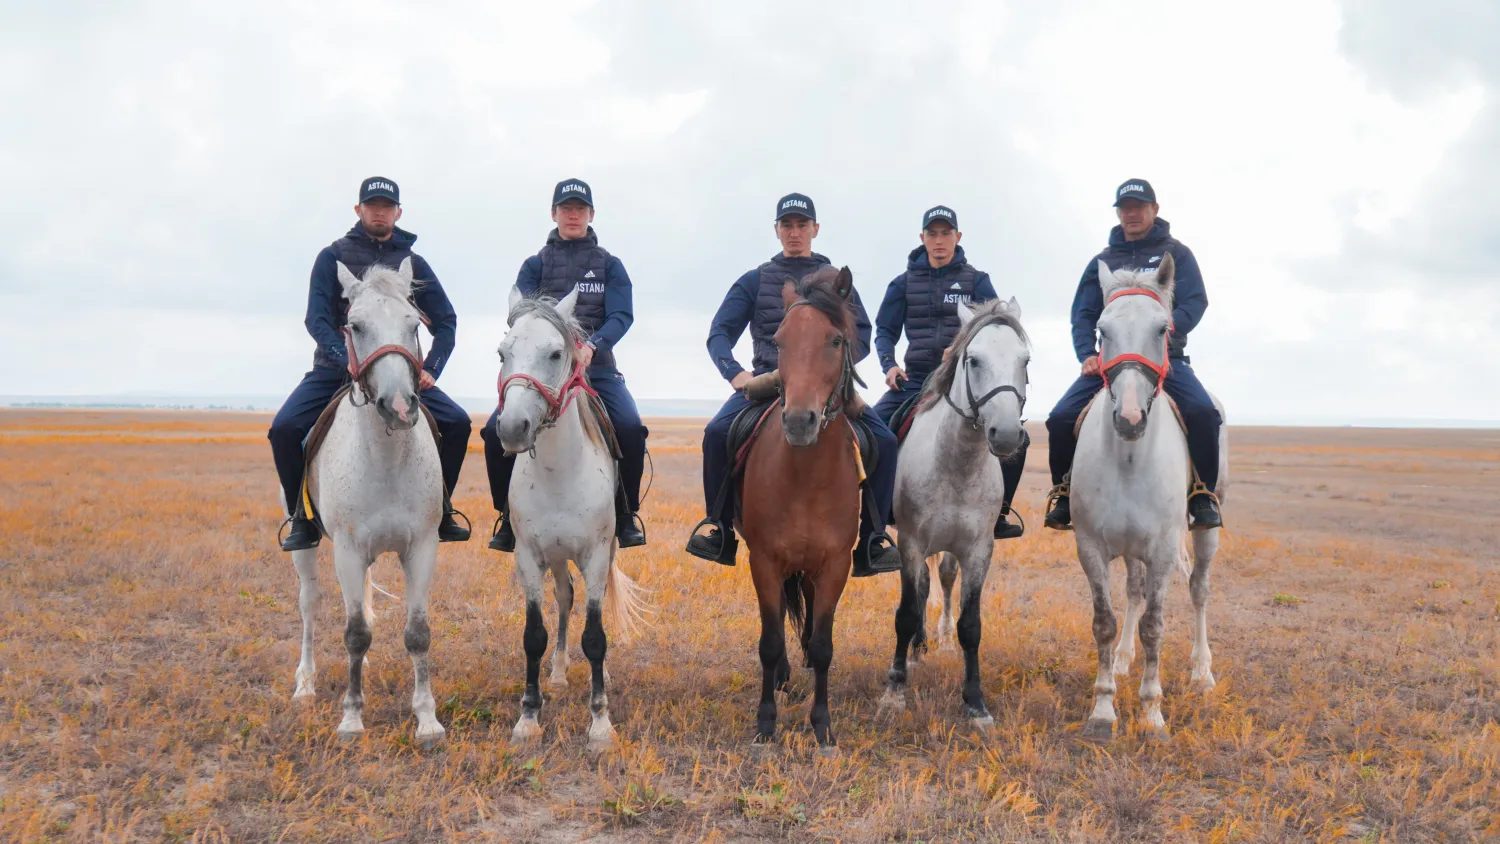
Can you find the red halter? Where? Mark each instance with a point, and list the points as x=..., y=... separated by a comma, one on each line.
x=358, y=369
x=557, y=400
x=1160, y=369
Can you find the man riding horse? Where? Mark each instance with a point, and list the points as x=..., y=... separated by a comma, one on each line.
x=755, y=302
x=375, y=239
x=572, y=258
x=924, y=302
x=1139, y=242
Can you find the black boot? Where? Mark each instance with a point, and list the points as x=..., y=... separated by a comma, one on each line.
x=1059, y=518
x=875, y=554
x=1004, y=529
x=504, y=538
x=629, y=530
x=449, y=530
x=719, y=545
x=304, y=534
x=1205, y=512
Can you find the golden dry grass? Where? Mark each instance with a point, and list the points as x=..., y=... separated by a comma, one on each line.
x=150, y=634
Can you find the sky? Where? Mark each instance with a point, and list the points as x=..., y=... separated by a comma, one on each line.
x=169, y=171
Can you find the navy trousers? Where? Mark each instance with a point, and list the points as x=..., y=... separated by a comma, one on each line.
x=301, y=410
x=716, y=467
x=1010, y=468
x=618, y=403
x=1182, y=385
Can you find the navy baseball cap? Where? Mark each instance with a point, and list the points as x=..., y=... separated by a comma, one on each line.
x=572, y=189
x=796, y=205
x=940, y=214
x=1134, y=189
x=379, y=187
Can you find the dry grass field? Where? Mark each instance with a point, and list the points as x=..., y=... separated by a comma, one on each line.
x=149, y=630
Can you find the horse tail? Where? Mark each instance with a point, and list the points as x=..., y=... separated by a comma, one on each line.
x=626, y=602
x=369, y=602
x=1185, y=554
x=791, y=589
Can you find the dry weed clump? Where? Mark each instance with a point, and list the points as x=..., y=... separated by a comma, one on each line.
x=150, y=635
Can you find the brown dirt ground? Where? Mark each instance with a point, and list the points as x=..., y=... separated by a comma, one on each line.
x=148, y=635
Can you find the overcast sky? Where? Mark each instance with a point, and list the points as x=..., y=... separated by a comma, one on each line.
x=168, y=171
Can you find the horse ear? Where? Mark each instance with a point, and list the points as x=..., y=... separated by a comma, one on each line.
x=347, y=280
x=405, y=269
x=515, y=297
x=565, y=307
x=1014, y=307
x=1105, y=273
x=965, y=316
x=1165, y=272
x=788, y=295
x=844, y=284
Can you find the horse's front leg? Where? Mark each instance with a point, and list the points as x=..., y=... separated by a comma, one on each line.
x=420, y=561
x=768, y=591
x=909, y=618
x=1092, y=556
x=353, y=571
x=1135, y=604
x=562, y=588
x=1205, y=545
x=534, y=641
x=1152, y=623
x=976, y=568
x=308, y=599
x=826, y=592
x=595, y=644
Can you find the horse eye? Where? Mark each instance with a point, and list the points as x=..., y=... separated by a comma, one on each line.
x=1162, y=332
x=838, y=341
x=356, y=328
x=556, y=355
x=973, y=363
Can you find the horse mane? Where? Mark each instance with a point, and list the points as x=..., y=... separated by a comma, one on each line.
x=545, y=308
x=993, y=312
x=388, y=282
x=1128, y=278
x=817, y=288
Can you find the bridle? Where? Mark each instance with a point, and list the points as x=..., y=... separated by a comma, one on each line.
x=972, y=417
x=843, y=389
x=1158, y=369
x=359, y=370
x=558, y=400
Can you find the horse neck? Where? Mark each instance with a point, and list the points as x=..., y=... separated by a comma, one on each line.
x=1143, y=457
x=953, y=428
x=567, y=439
x=384, y=447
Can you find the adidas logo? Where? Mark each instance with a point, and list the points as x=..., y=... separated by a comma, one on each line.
x=956, y=286
x=590, y=273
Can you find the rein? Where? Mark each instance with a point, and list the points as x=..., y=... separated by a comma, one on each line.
x=359, y=370
x=1158, y=369
x=843, y=390
x=558, y=400
x=972, y=417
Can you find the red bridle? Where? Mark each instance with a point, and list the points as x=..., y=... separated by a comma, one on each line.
x=557, y=400
x=1159, y=369
x=359, y=368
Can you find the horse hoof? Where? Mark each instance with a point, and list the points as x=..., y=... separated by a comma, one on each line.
x=829, y=751
x=350, y=735
x=983, y=723
x=599, y=745
x=946, y=646
x=892, y=702
x=526, y=731
x=558, y=681
x=429, y=738
x=1099, y=731
x=762, y=748
x=304, y=696
x=1158, y=735
x=1204, y=684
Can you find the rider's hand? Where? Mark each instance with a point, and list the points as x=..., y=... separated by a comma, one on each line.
x=585, y=355
x=739, y=381
x=1091, y=366
x=891, y=375
x=426, y=381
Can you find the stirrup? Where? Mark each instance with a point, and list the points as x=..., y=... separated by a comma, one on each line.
x=1199, y=489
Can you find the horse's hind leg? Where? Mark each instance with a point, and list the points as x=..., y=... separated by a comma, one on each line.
x=768, y=591
x=1135, y=604
x=419, y=562
x=909, y=617
x=1101, y=723
x=595, y=645
x=976, y=569
x=825, y=600
x=1152, y=622
x=353, y=570
x=1205, y=545
x=307, y=603
x=947, y=575
x=534, y=641
x=562, y=588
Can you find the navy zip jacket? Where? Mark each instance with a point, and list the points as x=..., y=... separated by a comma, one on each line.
x=328, y=310
x=739, y=308
x=1189, y=299
x=891, y=319
x=619, y=303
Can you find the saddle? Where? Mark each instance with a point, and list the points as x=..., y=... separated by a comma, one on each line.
x=901, y=420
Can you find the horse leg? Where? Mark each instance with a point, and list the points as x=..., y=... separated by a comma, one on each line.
x=562, y=588
x=918, y=648
x=1135, y=604
x=595, y=645
x=909, y=617
x=1152, y=623
x=976, y=569
x=1205, y=545
x=307, y=603
x=825, y=601
x=534, y=641
x=353, y=571
x=807, y=620
x=420, y=561
x=772, y=648
x=1101, y=724
x=947, y=575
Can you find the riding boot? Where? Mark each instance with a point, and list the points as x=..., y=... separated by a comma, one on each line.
x=719, y=545
x=1004, y=529
x=504, y=538
x=304, y=534
x=1059, y=518
x=629, y=530
x=449, y=530
x=1205, y=512
x=875, y=554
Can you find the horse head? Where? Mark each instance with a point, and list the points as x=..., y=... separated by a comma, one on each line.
x=385, y=353
x=537, y=358
x=988, y=373
x=1134, y=328
x=814, y=357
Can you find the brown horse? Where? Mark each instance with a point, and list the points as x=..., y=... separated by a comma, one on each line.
x=800, y=495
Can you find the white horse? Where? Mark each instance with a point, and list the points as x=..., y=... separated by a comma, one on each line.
x=378, y=487
x=562, y=501
x=949, y=488
x=1130, y=481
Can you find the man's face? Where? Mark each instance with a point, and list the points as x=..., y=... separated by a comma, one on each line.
x=941, y=240
x=1136, y=217
x=796, y=234
x=572, y=218
x=378, y=217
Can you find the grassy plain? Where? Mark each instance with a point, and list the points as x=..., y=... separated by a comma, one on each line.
x=149, y=632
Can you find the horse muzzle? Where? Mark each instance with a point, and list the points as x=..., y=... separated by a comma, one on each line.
x=517, y=432
x=1131, y=426
x=801, y=427
x=400, y=412
x=1004, y=442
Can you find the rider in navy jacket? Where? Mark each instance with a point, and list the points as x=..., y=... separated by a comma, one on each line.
x=923, y=302
x=1140, y=242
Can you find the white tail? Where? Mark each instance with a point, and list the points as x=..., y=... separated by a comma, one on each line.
x=369, y=602
x=626, y=602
